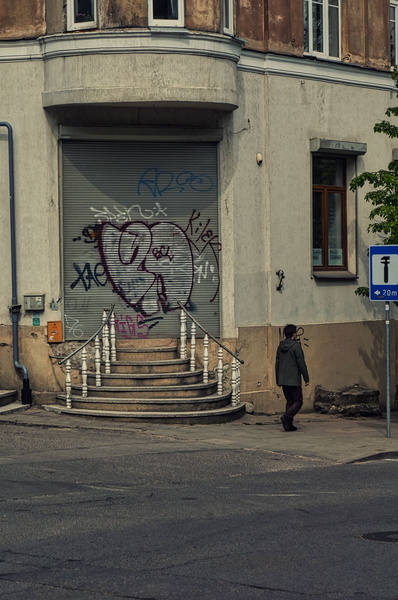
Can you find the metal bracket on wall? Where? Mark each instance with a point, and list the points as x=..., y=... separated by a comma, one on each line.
x=281, y=276
x=15, y=309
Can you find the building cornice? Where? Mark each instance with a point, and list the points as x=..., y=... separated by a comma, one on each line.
x=184, y=42
x=319, y=70
x=156, y=41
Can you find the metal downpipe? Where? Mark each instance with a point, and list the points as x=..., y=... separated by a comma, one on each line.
x=15, y=308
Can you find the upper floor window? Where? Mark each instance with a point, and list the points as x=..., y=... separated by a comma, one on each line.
x=393, y=31
x=169, y=13
x=322, y=27
x=81, y=14
x=228, y=16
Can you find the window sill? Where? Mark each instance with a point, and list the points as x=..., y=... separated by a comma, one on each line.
x=334, y=275
x=168, y=28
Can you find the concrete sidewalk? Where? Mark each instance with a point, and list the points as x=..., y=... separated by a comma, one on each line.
x=327, y=437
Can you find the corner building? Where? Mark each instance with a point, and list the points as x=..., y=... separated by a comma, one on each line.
x=187, y=151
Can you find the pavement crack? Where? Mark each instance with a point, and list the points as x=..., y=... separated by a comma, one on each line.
x=264, y=588
x=49, y=586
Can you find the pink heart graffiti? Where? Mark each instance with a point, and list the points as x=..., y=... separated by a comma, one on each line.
x=150, y=266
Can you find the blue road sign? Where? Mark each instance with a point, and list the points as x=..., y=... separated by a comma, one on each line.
x=383, y=273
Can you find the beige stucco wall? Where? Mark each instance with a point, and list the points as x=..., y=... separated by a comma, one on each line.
x=36, y=190
x=338, y=355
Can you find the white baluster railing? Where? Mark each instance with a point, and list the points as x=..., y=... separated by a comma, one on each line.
x=219, y=372
x=206, y=359
x=106, y=345
x=84, y=372
x=104, y=320
x=68, y=384
x=235, y=364
x=108, y=354
x=234, y=382
x=112, y=335
x=97, y=361
x=193, y=346
x=183, y=335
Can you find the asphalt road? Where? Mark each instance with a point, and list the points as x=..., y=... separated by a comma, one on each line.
x=97, y=515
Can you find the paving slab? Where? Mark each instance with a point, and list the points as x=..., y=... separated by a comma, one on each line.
x=327, y=437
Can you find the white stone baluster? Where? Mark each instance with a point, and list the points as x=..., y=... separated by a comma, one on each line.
x=105, y=341
x=234, y=374
x=219, y=372
x=97, y=361
x=193, y=346
x=84, y=373
x=68, y=384
x=183, y=335
x=206, y=359
x=238, y=382
x=104, y=317
x=113, y=338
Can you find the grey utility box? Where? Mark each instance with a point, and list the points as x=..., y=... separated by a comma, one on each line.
x=34, y=302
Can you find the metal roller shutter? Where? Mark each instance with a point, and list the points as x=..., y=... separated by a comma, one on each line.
x=140, y=230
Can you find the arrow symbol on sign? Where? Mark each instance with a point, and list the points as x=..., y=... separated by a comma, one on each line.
x=377, y=293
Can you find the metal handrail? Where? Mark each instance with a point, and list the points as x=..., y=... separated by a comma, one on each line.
x=106, y=322
x=242, y=362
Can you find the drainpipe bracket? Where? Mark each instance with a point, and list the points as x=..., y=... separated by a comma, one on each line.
x=15, y=308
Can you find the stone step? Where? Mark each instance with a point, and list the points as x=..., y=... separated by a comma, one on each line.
x=155, y=366
x=8, y=397
x=147, y=354
x=194, y=390
x=205, y=417
x=147, y=379
x=149, y=404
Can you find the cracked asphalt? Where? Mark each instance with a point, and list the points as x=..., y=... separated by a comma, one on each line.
x=106, y=512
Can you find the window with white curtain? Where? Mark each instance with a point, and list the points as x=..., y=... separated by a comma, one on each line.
x=322, y=27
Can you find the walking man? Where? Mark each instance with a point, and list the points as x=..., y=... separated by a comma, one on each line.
x=290, y=366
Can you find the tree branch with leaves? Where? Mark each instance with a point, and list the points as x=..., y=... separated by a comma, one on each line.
x=384, y=195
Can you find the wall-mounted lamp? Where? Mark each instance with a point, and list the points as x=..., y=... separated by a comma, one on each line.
x=281, y=276
x=259, y=158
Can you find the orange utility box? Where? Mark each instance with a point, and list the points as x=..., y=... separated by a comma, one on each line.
x=54, y=331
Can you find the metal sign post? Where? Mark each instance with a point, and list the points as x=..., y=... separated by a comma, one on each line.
x=388, y=373
x=383, y=285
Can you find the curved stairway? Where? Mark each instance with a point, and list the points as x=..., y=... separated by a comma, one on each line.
x=152, y=385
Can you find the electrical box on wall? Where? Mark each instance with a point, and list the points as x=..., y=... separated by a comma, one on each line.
x=34, y=302
x=54, y=331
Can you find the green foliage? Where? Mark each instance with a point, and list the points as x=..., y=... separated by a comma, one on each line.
x=384, y=195
x=362, y=291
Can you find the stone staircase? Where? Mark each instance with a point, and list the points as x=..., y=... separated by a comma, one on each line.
x=152, y=384
x=10, y=403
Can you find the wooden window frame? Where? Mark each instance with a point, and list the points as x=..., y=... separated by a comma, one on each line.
x=325, y=190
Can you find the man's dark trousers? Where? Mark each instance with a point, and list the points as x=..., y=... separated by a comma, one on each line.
x=294, y=400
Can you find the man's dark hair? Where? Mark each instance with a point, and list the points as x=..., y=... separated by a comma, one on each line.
x=289, y=330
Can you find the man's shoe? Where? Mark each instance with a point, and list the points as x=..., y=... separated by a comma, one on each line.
x=287, y=423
